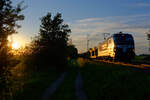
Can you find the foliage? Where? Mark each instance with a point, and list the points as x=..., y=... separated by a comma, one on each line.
x=72, y=51
x=148, y=35
x=9, y=15
x=49, y=48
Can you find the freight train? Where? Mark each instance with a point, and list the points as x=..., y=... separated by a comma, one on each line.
x=120, y=46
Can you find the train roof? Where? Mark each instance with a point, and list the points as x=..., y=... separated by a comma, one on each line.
x=121, y=33
x=118, y=34
x=115, y=34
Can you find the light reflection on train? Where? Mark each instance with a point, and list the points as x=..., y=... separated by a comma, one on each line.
x=119, y=46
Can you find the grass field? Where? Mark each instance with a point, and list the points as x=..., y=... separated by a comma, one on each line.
x=142, y=59
x=114, y=82
x=101, y=81
x=36, y=84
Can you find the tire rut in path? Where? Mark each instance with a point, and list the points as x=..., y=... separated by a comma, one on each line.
x=79, y=88
x=50, y=90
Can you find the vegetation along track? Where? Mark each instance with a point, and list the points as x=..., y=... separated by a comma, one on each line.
x=136, y=65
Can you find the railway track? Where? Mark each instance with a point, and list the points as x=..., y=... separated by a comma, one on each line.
x=132, y=64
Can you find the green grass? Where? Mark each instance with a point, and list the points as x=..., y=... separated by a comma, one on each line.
x=36, y=84
x=141, y=59
x=114, y=82
x=66, y=91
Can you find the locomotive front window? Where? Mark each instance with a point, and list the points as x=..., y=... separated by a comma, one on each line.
x=123, y=39
x=92, y=53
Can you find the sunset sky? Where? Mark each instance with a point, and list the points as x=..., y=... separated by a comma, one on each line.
x=92, y=17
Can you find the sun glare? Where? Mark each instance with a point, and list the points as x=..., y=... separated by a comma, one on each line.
x=15, y=45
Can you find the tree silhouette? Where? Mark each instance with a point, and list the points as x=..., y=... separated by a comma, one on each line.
x=148, y=38
x=50, y=46
x=9, y=15
x=72, y=52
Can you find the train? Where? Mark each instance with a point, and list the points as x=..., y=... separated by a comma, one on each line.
x=119, y=46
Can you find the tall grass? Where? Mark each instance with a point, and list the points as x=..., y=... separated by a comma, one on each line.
x=115, y=82
x=34, y=83
x=8, y=83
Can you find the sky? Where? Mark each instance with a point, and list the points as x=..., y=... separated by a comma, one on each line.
x=90, y=19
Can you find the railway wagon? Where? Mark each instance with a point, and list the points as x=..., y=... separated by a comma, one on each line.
x=93, y=52
x=119, y=46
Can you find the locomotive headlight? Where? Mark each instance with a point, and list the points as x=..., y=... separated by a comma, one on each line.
x=133, y=49
x=114, y=49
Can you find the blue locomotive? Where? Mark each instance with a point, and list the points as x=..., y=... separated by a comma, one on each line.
x=119, y=46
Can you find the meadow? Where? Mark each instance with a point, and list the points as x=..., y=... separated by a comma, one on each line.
x=103, y=81
x=32, y=84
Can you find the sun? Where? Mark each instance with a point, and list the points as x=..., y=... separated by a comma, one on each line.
x=15, y=45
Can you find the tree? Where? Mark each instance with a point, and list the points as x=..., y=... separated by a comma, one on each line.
x=50, y=46
x=148, y=37
x=72, y=52
x=9, y=15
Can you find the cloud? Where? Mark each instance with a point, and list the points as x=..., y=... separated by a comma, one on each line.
x=138, y=4
x=94, y=28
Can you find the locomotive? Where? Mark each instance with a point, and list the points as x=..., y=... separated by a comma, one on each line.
x=120, y=46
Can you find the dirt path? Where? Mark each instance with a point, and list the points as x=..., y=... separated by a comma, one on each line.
x=79, y=88
x=50, y=90
x=80, y=94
